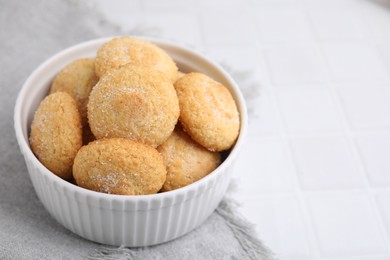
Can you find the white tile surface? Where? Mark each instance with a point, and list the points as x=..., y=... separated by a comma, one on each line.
x=308, y=111
x=278, y=25
x=384, y=52
x=219, y=3
x=345, y=224
x=166, y=5
x=265, y=119
x=354, y=62
x=293, y=64
x=376, y=14
x=280, y=3
x=325, y=163
x=173, y=22
x=242, y=59
x=367, y=107
x=272, y=173
x=331, y=4
x=314, y=171
x=382, y=199
x=276, y=228
x=224, y=27
x=343, y=25
x=118, y=7
x=375, y=153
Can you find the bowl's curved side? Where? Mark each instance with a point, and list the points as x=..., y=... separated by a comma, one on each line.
x=114, y=219
x=118, y=222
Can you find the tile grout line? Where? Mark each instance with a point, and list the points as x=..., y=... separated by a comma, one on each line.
x=284, y=137
x=377, y=211
x=351, y=138
x=326, y=77
x=285, y=142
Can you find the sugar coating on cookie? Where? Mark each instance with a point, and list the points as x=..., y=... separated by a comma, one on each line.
x=208, y=111
x=134, y=103
x=77, y=79
x=56, y=133
x=119, y=166
x=179, y=74
x=126, y=50
x=186, y=160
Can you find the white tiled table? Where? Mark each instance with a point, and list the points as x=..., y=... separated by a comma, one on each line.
x=314, y=174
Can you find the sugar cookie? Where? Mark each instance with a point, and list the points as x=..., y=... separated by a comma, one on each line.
x=186, y=160
x=77, y=79
x=134, y=103
x=119, y=166
x=208, y=112
x=139, y=53
x=56, y=133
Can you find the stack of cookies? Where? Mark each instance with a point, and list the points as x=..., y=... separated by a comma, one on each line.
x=128, y=122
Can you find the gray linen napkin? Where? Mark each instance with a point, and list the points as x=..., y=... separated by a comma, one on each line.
x=31, y=31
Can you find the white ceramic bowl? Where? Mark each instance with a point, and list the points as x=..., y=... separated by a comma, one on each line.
x=119, y=219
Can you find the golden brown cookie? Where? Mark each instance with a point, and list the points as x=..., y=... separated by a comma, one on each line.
x=139, y=53
x=179, y=74
x=119, y=166
x=186, y=160
x=77, y=79
x=208, y=112
x=56, y=134
x=133, y=103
